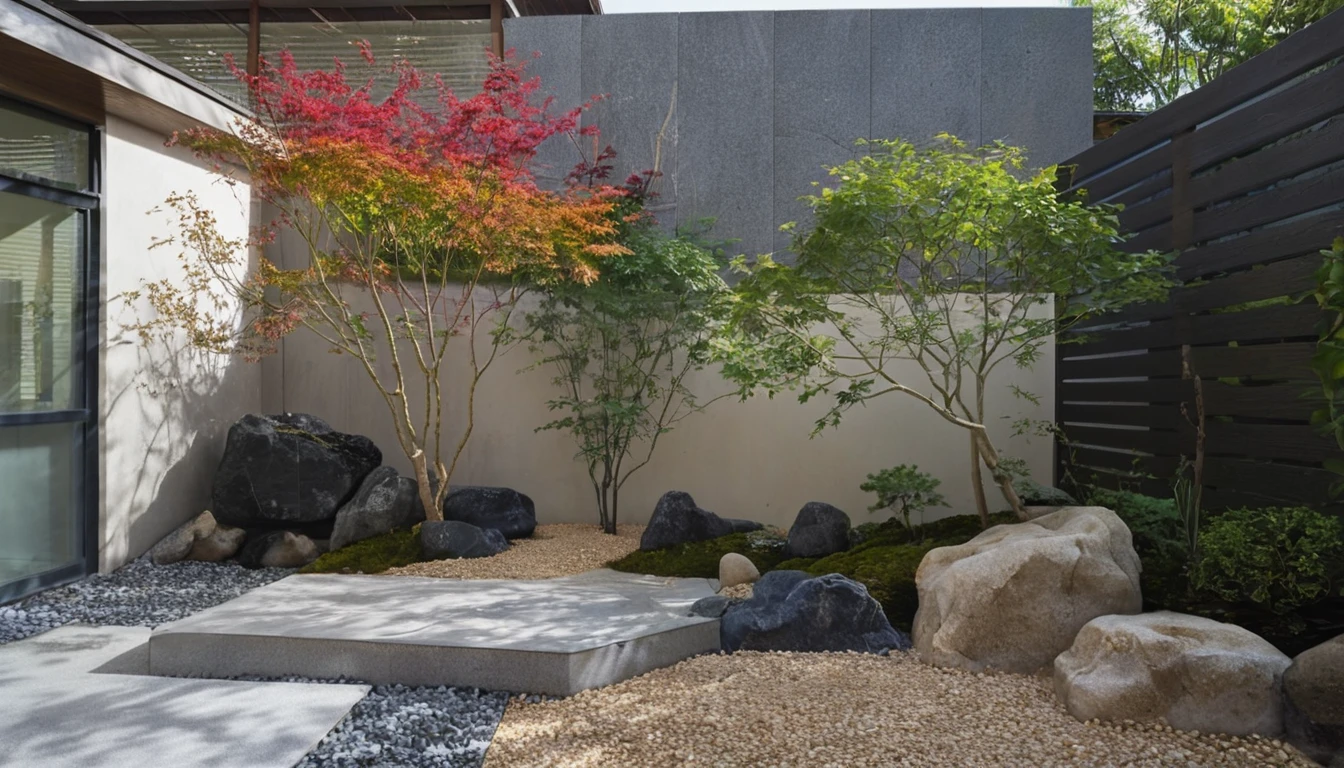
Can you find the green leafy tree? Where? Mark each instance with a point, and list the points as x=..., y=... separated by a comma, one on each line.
x=1148, y=52
x=622, y=350
x=903, y=489
x=952, y=258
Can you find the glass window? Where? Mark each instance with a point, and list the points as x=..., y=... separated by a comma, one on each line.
x=38, y=509
x=41, y=280
x=37, y=147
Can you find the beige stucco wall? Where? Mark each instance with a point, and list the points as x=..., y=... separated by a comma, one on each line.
x=749, y=459
x=163, y=409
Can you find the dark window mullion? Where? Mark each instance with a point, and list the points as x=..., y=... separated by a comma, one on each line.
x=25, y=418
x=51, y=194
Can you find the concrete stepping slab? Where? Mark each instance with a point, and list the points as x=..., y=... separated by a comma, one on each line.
x=553, y=636
x=75, y=697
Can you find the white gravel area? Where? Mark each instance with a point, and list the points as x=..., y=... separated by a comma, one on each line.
x=552, y=551
x=844, y=711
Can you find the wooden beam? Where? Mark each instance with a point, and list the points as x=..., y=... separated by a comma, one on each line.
x=497, y=27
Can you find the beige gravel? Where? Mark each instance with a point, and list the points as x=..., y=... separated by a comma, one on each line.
x=553, y=550
x=851, y=710
x=740, y=591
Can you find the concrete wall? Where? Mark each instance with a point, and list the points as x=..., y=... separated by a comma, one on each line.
x=163, y=409
x=751, y=106
x=749, y=459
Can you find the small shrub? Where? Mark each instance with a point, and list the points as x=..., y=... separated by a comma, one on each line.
x=1033, y=494
x=374, y=555
x=1280, y=559
x=700, y=559
x=903, y=489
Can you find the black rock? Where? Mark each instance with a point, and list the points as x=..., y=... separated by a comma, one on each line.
x=1033, y=494
x=819, y=530
x=384, y=502
x=826, y=613
x=743, y=526
x=444, y=539
x=502, y=509
x=677, y=520
x=281, y=470
x=711, y=607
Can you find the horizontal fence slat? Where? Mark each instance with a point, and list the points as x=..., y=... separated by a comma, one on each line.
x=1292, y=109
x=1156, y=417
x=1272, y=361
x=1285, y=483
x=1146, y=440
x=1290, y=277
x=1283, y=161
x=1140, y=171
x=1276, y=401
x=1315, y=45
x=1273, y=205
x=1146, y=214
x=1139, y=192
x=1308, y=235
x=1278, y=322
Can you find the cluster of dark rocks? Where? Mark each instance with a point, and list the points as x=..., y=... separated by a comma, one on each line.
x=788, y=610
x=289, y=487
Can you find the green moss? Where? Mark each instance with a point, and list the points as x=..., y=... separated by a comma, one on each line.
x=701, y=558
x=375, y=555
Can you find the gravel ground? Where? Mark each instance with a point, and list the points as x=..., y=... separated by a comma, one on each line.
x=400, y=727
x=783, y=709
x=553, y=550
x=139, y=594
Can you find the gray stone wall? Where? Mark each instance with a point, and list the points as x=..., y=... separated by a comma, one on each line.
x=751, y=107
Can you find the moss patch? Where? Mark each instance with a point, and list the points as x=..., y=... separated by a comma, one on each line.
x=884, y=561
x=375, y=555
x=700, y=559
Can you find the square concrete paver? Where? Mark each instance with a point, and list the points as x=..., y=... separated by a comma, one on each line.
x=78, y=696
x=554, y=636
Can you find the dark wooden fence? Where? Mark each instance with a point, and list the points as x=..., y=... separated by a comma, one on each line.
x=1245, y=179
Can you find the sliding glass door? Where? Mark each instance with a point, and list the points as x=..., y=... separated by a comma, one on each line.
x=48, y=345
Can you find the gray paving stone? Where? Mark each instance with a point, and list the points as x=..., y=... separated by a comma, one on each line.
x=73, y=697
x=554, y=636
x=927, y=74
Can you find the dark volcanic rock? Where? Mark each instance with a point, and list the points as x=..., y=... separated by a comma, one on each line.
x=282, y=470
x=444, y=539
x=790, y=611
x=384, y=502
x=677, y=520
x=819, y=530
x=743, y=526
x=503, y=509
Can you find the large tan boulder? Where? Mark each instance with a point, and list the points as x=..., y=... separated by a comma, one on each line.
x=1197, y=673
x=1314, y=688
x=1015, y=596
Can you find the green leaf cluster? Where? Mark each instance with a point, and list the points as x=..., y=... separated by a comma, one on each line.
x=903, y=489
x=1279, y=558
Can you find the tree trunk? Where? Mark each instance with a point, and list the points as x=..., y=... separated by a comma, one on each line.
x=421, y=466
x=1005, y=482
x=615, y=503
x=978, y=484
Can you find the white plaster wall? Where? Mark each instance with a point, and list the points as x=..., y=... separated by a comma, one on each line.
x=750, y=459
x=164, y=409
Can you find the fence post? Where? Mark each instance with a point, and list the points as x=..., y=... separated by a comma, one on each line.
x=1182, y=213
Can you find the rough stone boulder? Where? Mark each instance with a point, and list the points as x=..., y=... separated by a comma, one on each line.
x=1314, y=712
x=677, y=520
x=1014, y=597
x=278, y=471
x=178, y=544
x=792, y=611
x=818, y=530
x=222, y=544
x=384, y=502
x=1197, y=673
x=278, y=549
x=736, y=569
x=743, y=526
x=503, y=509
x=444, y=539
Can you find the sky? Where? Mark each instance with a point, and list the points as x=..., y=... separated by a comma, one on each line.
x=655, y=6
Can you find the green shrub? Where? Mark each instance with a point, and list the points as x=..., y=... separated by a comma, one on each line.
x=1033, y=494
x=700, y=559
x=1281, y=559
x=1158, y=532
x=375, y=555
